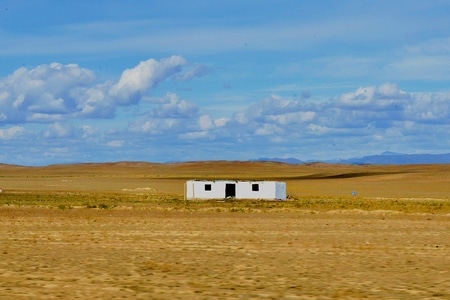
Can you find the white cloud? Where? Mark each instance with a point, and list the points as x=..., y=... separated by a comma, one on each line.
x=171, y=106
x=276, y=112
x=291, y=118
x=171, y=115
x=318, y=129
x=176, y=108
x=426, y=107
x=383, y=98
x=136, y=81
x=370, y=118
x=57, y=130
x=18, y=101
x=221, y=122
x=57, y=92
x=205, y=122
x=195, y=72
x=93, y=102
x=268, y=129
x=241, y=118
x=10, y=133
x=384, y=111
x=157, y=126
x=44, y=118
x=87, y=131
x=44, y=90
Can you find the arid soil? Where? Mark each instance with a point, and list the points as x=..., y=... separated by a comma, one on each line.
x=122, y=253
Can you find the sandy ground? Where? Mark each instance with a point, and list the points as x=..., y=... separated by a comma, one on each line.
x=139, y=254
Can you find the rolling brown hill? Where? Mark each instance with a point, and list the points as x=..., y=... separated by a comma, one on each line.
x=314, y=179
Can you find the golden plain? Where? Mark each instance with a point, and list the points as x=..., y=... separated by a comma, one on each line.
x=124, y=231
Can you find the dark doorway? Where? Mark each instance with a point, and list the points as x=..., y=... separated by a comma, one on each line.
x=230, y=190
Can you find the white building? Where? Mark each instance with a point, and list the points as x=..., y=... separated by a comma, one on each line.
x=221, y=189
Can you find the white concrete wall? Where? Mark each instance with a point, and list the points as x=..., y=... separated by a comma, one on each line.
x=196, y=190
x=267, y=189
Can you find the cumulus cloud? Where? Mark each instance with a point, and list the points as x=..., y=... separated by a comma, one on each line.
x=377, y=113
x=274, y=115
x=175, y=108
x=10, y=133
x=136, y=81
x=387, y=104
x=87, y=131
x=429, y=108
x=42, y=93
x=372, y=117
x=221, y=122
x=268, y=129
x=57, y=130
x=175, y=117
x=375, y=98
x=56, y=92
x=205, y=122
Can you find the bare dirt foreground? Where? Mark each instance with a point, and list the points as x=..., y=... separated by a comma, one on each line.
x=82, y=253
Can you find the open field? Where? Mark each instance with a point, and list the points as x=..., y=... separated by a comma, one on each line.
x=416, y=188
x=123, y=230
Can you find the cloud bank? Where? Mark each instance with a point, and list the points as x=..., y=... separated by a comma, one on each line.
x=63, y=114
x=57, y=92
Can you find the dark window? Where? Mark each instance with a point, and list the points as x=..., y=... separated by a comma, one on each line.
x=207, y=187
x=255, y=187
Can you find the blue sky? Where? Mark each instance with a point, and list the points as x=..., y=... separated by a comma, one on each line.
x=95, y=81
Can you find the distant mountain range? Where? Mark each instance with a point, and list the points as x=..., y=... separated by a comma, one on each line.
x=386, y=158
x=291, y=160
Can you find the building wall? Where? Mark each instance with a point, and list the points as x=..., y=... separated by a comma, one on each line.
x=244, y=189
x=196, y=190
x=280, y=190
x=266, y=190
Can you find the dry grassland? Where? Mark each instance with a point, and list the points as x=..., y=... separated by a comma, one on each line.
x=123, y=231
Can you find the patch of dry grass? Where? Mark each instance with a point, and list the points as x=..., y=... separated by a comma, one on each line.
x=415, y=188
x=70, y=200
